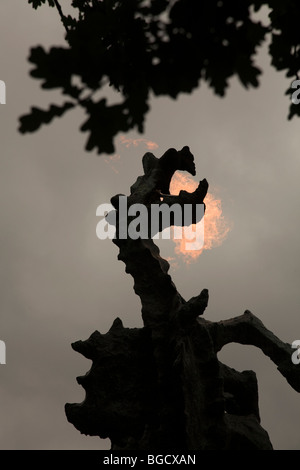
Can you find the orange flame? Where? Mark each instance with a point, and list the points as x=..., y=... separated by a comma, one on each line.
x=113, y=158
x=216, y=227
x=128, y=142
x=135, y=142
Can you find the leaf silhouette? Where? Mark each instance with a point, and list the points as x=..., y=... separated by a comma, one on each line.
x=31, y=122
x=38, y=3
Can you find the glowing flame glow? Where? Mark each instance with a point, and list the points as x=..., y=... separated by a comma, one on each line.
x=216, y=227
x=135, y=142
x=113, y=158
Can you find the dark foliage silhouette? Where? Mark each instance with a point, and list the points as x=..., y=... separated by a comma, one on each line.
x=141, y=48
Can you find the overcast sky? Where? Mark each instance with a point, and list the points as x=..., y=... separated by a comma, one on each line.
x=59, y=282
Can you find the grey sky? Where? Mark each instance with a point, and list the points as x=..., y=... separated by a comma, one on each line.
x=59, y=282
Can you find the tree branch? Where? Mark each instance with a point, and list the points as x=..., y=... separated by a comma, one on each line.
x=62, y=16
